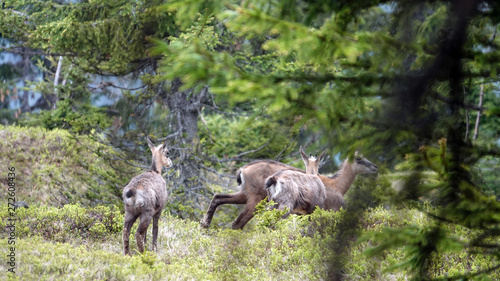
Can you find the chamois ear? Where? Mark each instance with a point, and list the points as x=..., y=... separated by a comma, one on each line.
x=150, y=144
x=165, y=143
x=164, y=149
x=358, y=155
x=304, y=156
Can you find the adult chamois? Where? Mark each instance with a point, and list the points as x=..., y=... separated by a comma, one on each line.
x=251, y=179
x=342, y=180
x=144, y=198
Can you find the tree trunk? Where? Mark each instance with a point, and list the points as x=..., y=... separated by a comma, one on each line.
x=26, y=77
x=56, y=81
x=185, y=107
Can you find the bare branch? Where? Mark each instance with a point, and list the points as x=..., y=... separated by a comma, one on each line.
x=463, y=104
x=252, y=151
x=56, y=80
x=288, y=145
x=476, y=129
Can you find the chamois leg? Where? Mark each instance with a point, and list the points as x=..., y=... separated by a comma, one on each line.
x=246, y=215
x=221, y=199
x=140, y=235
x=156, y=217
x=129, y=221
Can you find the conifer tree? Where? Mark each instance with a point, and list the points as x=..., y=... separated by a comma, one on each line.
x=397, y=79
x=78, y=43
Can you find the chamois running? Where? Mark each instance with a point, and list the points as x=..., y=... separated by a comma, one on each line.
x=144, y=198
x=251, y=179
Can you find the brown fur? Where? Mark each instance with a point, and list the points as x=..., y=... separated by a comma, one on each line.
x=144, y=198
x=251, y=179
x=312, y=162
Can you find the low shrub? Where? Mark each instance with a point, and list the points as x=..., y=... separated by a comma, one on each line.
x=78, y=243
x=64, y=224
x=54, y=167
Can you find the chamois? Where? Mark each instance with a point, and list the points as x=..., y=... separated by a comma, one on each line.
x=144, y=198
x=300, y=193
x=341, y=181
x=251, y=179
x=312, y=163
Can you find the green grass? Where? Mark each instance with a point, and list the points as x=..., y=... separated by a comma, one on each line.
x=82, y=240
x=70, y=245
x=55, y=167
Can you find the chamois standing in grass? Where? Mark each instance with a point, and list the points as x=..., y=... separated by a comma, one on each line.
x=251, y=179
x=144, y=198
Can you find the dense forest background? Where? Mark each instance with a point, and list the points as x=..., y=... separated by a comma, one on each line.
x=413, y=85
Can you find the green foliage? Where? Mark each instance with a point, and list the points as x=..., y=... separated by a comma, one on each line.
x=400, y=234
x=56, y=168
x=64, y=224
x=268, y=219
x=425, y=245
x=103, y=34
x=41, y=260
x=83, y=121
x=297, y=248
x=227, y=137
x=7, y=116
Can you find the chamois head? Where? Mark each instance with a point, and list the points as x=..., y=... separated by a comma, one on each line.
x=160, y=156
x=361, y=165
x=312, y=162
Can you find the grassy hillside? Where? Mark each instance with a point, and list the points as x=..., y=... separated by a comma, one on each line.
x=77, y=243
x=55, y=168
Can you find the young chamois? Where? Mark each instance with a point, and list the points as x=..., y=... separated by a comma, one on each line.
x=144, y=198
x=312, y=162
x=251, y=180
x=300, y=193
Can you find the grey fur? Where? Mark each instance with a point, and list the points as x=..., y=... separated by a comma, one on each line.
x=300, y=193
x=144, y=197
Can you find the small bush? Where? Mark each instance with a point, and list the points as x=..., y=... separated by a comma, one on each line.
x=64, y=224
